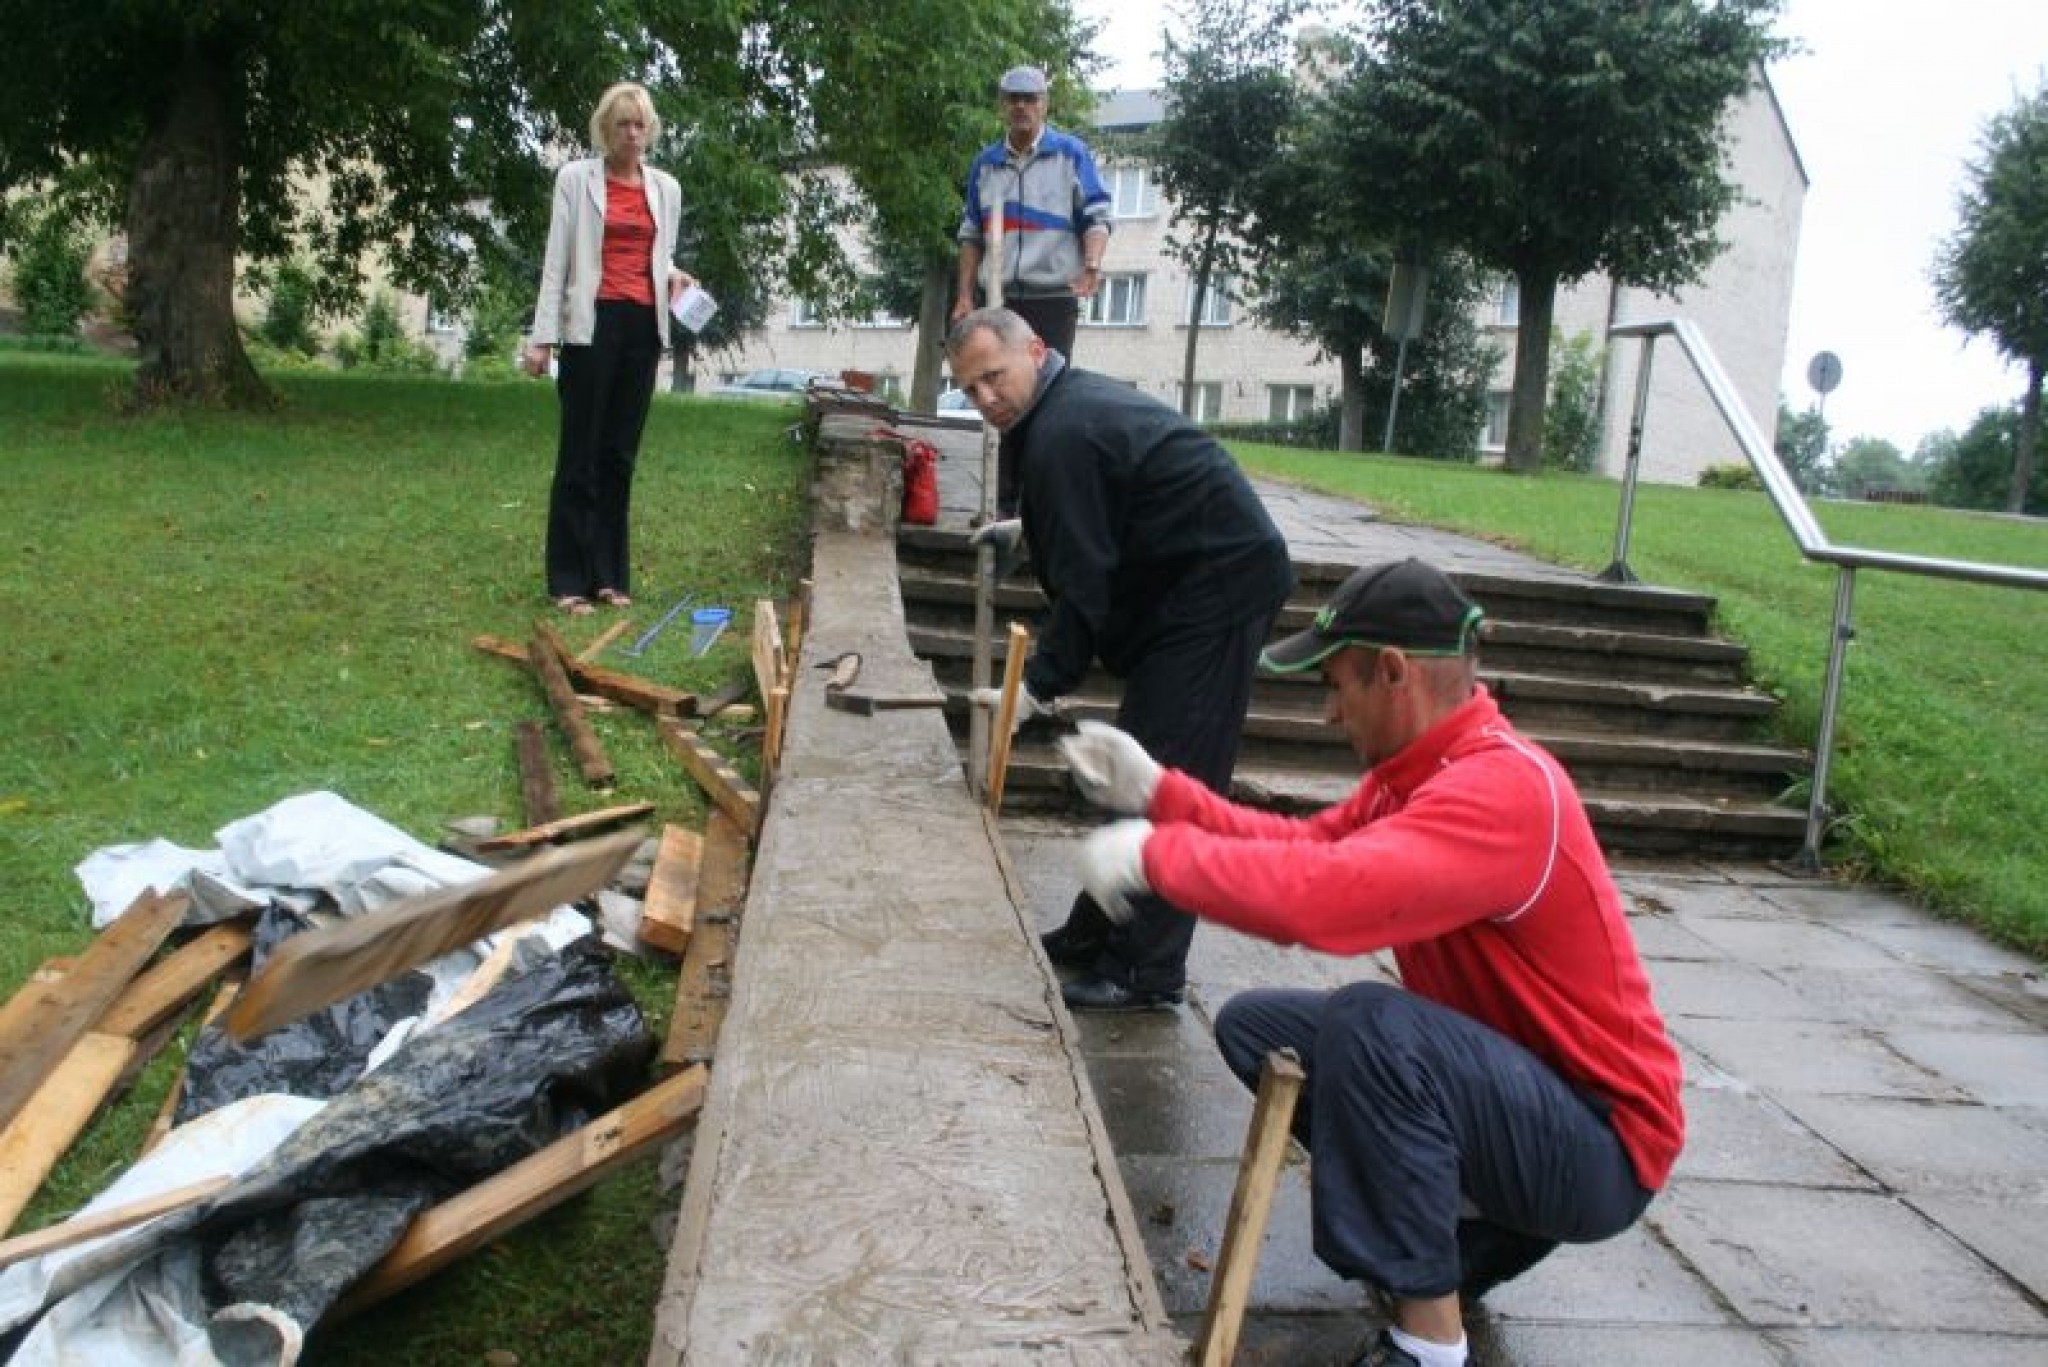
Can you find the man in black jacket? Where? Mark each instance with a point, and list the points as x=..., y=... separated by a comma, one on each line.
x=1160, y=561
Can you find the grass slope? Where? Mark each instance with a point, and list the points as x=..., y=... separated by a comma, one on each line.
x=1942, y=745
x=209, y=612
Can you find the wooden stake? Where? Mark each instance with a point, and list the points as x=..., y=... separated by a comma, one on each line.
x=604, y=638
x=1006, y=714
x=567, y=828
x=155, y=996
x=630, y=689
x=536, y=778
x=317, y=968
x=80, y=1228
x=719, y=780
x=670, y=910
x=799, y=608
x=55, y=1016
x=1265, y=1148
x=539, y=1183
x=771, y=680
x=546, y=656
x=707, y=963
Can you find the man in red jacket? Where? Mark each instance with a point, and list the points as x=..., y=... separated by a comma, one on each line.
x=1518, y=1090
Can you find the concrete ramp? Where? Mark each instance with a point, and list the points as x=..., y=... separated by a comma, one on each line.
x=899, y=1160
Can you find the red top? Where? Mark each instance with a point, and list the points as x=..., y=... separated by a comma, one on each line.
x=628, y=244
x=1471, y=857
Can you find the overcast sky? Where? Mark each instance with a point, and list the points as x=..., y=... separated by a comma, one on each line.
x=1886, y=103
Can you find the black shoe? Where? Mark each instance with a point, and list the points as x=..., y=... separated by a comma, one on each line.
x=1069, y=948
x=1386, y=1353
x=1100, y=994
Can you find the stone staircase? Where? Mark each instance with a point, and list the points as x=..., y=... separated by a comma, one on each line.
x=1624, y=683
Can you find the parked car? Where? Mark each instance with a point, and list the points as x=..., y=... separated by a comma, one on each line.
x=770, y=384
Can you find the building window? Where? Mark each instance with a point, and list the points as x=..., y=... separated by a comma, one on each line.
x=1208, y=404
x=1215, y=301
x=1119, y=301
x=1507, y=311
x=882, y=318
x=440, y=322
x=1131, y=193
x=1495, y=438
x=1289, y=402
x=803, y=313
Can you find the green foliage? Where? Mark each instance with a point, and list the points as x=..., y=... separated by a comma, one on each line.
x=1734, y=475
x=1943, y=760
x=381, y=344
x=1802, y=448
x=312, y=631
x=1975, y=469
x=1550, y=139
x=1869, y=465
x=288, y=314
x=1571, y=433
x=1316, y=430
x=49, y=276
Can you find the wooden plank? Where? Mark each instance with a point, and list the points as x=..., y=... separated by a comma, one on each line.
x=546, y=655
x=35, y=1139
x=566, y=828
x=1265, y=1148
x=719, y=780
x=670, y=909
x=18, y=1017
x=175, y=980
x=317, y=968
x=57, y=1015
x=1006, y=714
x=80, y=1228
x=629, y=689
x=481, y=980
x=799, y=608
x=769, y=677
x=573, y=1164
x=165, y=1113
x=702, y=985
x=604, y=638
x=536, y=777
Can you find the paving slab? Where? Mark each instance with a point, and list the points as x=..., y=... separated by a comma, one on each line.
x=1864, y=1348
x=2006, y=1232
x=1733, y=1134
x=1576, y=1345
x=1633, y=1278
x=1791, y=1256
x=1926, y=1148
x=1999, y=1069
x=1784, y=1057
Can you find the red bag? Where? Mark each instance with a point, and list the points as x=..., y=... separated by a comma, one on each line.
x=920, y=482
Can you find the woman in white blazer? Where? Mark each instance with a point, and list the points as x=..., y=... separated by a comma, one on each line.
x=605, y=284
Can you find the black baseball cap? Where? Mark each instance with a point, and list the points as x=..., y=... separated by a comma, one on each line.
x=1408, y=604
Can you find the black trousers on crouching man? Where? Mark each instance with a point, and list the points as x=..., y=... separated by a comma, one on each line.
x=1185, y=701
x=604, y=389
x=1446, y=1156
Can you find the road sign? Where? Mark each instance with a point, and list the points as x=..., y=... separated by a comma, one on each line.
x=1824, y=371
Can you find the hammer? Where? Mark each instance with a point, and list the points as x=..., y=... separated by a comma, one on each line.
x=840, y=695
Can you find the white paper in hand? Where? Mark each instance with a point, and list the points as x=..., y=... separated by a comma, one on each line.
x=693, y=308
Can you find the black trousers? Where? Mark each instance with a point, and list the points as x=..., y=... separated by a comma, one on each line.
x=604, y=389
x=1053, y=317
x=1446, y=1156
x=1185, y=702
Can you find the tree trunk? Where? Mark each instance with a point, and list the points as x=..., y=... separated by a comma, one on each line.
x=931, y=337
x=1351, y=399
x=184, y=212
x=1187, y=364
x=2029, y=444
x=1532, y=371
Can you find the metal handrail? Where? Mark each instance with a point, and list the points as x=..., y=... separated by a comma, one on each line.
x=1813, y=543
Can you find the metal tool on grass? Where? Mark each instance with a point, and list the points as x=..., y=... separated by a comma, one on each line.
x=707, y=624
x=639, y=647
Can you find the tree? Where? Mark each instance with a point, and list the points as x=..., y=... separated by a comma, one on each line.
x=1991, y=276
x=1802, y=448
x=1229, y=97
x=49, y=277
x=1571, y=436
x=1975, y=469
x=1551, y=139
x=1872, y=464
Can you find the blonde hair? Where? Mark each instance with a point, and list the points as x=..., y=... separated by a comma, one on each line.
x=612, y=105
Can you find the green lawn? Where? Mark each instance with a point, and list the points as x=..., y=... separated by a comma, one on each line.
x=1941, y=758
x=207, y=613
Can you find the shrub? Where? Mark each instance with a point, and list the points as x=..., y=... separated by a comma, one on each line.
x=288, y=317
x=1316, y=430
x=1734, y=475
x=49, y=278
x=1571, y=424
x=383, y=345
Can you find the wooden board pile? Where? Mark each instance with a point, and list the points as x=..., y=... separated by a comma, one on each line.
x=82, y=1029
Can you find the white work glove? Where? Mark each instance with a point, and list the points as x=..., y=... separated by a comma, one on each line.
x=1027, y=706
x=1113, y=867
x=1005, y=538
x=1111, y=769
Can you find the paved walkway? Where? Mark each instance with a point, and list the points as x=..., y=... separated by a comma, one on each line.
x=1865, y=1178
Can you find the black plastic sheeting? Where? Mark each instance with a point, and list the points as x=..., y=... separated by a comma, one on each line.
x=317, y=1056
x=545, y=1051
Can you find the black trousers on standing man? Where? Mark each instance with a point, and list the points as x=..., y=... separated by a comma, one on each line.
x=605, y=389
